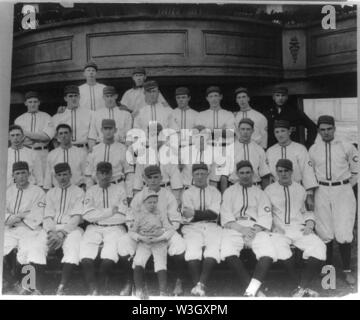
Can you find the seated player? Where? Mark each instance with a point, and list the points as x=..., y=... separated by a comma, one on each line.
x=294, y=225
x=105, y=208
x=151, y=230
x=246, y=217
x=24, y=213
x=202, y=235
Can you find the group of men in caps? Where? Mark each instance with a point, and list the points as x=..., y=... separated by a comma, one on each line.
x=269, y=194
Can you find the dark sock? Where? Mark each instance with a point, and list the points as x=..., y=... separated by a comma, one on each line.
x=207, y=267
x=345, y=252
x=179, y=265
x=194, y=268
x=104, y=273
x=262, y=268
x=139, y=278
x=7, y=270
x=290, y=268
x=126, y=266
x=312, y=267
x=162, y=278
x=89, y=273
x=66, y=273
x=39, y=271
x=329, y=252
x=237, y=265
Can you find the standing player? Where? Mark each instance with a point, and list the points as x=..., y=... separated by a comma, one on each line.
x=105, y=208
x=37, y=126
x=74, y=116
x=64, y=207
x=294, y=225
x=122, y=118
x=17, y=152
x=24, y=213
x=134, y=98
x=201, y=209
x=336, y=168
x=110, y=151
x=91, y=92
x=281, y=110
x=67, y=153
x=260, y=134
x=246, y=217
x=303, y=171
x=154, y=110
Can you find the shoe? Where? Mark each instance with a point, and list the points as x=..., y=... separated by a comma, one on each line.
x=248, y=295
x=311, y=293
x=20, y=290
x=178, y=290
x=260, y=294
x=349, y=278
x=60, y=290
x=94, y=293
x=126, y=290
x=163, y=294
x=36, y=292
x=198, y=290
x=299, y=292
x=140, y=293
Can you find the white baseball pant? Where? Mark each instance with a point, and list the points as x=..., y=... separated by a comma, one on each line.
x=157, y=250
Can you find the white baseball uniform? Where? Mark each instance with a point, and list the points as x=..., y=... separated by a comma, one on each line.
x=336, y=166
x=122, y=118
x=153, y=113
x=134, y=99
x=247, y=207
x=62, y=205
x=115, y=153
x=251, y=152
x=33, y=160
x=289, y=218
x=184, y=118
x=260, y=134
x=168, y=206
x=202, y=234
x=106, y=227
x=37, y=122
x=217, y=119
x=79, y=121
x=74, y=156
x=91, y=97
x=303, y=171
x=29, y=202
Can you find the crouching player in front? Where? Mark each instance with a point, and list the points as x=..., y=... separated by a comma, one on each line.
x=294, y=225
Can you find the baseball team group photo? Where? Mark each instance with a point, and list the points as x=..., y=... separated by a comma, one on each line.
x=167, y=150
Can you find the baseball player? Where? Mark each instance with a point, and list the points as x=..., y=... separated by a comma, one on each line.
x=110, y=151
x=74, y=116
x=183, y=117
x=24, y=213
x=122, y=118
x=17, y=152
x=105, y=208
x=37, y=126
x=246, y=217
x=63, y=210
x=281, y=110
x=168, y=205
x=134, y=98
x=152, y=231
x=336, y=168
x=91, y=92
x=260, y=122
x=303, y=171
x=294, y=225
x=201, y=209
x=246, y=149
x=67, y=153
x=154, y=110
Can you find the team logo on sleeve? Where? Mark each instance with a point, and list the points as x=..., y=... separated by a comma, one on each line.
x=355, y=158
x=267, y=209
x=41, y=204
x=310, y=163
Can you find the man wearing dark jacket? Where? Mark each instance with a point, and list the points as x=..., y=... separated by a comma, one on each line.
x=281, y=110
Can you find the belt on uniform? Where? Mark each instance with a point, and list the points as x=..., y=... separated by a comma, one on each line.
x=107, y=225
x=337, y=183
x=80, y=145
x=257, y=183
x=37, y=148
x=117, y=181
x=164, y=185
x=246, y=218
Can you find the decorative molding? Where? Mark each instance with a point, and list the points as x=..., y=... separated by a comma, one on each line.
x=294, y=47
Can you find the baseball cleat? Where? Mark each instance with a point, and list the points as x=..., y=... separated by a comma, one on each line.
x=140, y=293
x=349, y=278
x=248, y=295
x=260, y=294
x=163, y=294
x=299, y=292
x=198, y=290
x=311, y=293
x=36, y=292
x=94, y=293
x=126, y=290
x=178, y=290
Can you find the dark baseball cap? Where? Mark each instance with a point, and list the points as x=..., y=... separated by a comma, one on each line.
x=20, y=165
x=243, y=164
x=150, y=170
x=284, y=163
x=61, y=167
x=71, y=89
x=326, y=119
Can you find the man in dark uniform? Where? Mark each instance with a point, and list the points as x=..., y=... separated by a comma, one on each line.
x=282, y=110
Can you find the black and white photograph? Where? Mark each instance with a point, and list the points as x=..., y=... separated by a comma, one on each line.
x=167, y=150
